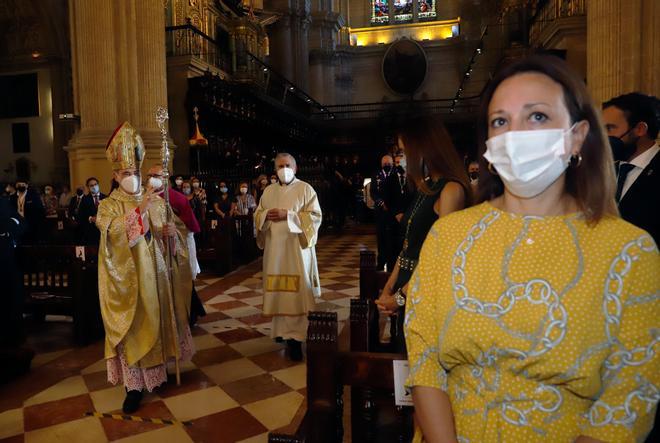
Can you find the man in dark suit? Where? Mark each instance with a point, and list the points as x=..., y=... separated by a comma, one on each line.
x=635, y=119
x=87, y=212
x=27, y=203
x=74, y=214
x=385, y=221
x=397, y=197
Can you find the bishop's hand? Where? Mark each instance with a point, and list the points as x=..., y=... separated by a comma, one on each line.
x=146, y=200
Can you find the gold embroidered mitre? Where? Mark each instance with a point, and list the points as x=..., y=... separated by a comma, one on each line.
x=125, y=148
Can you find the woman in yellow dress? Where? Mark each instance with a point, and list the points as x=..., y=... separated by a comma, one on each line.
x=534, y=316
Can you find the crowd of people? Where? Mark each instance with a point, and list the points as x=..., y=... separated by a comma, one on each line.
x=524, y=286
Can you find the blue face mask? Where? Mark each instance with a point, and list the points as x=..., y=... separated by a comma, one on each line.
x=224, y=190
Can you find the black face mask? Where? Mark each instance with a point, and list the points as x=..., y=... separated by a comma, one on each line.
x=620, y=149
x=474, y=175
x=21, y=188
x=387, y=168
x=79, y=192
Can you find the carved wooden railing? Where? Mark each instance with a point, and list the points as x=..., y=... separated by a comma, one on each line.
x=550, y=10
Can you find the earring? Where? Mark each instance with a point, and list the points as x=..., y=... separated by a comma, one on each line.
x=491, y=169
x=576, y=160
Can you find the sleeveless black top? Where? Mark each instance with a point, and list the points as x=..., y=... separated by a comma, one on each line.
x=415, y=225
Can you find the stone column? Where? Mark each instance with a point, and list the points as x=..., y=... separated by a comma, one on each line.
x=281, y=50
x=118, y=64
x=623, y=47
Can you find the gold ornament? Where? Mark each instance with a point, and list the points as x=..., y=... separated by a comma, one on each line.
x=125, y=149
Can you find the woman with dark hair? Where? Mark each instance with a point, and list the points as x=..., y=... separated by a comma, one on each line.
x=534, y=315
x=435, y=169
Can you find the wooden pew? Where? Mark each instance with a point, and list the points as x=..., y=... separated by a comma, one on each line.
x=374, y=417
x=372, y=282
x=218, y=251
x=56, y=282
x=245, y=244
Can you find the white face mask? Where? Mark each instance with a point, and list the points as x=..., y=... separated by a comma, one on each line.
x=187, y=191
x=130, y=184
x=528, y=162
x=178, y=182
x=244, y=190
x=155, y=183
x=273, y=181
x=285, y=175
x=195, y=185
x=403, y=163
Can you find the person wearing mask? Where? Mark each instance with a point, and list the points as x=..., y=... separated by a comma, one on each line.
x=27, y=203
x=74, y=214
x=385, y=222
x=200, y=196
x=64, y=197
x=273, y=179
x=398, y=196
x=442, y=188
x=186, y=190
x=288, y=219
x=50, y=202
x=178, y=183
x=634, y=119
x=473, y=175
x=262, y=183
x=242, y=211
x=244, y=203
x=143, y=305
x=398, y=193
x=182, y=210
x=223, y=204
x=88, y=209
x=14, y=358
x=529, y=315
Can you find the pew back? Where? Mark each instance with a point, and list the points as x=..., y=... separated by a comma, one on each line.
x=56, y=282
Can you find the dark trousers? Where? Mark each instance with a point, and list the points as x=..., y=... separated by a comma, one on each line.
x=386, y=232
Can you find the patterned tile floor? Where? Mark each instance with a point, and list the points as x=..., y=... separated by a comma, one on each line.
x=238, y=387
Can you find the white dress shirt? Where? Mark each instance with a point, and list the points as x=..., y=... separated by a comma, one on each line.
x=640, y=162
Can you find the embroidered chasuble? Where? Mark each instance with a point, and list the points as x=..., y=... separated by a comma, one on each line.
x=290, y=270
x=134, y=285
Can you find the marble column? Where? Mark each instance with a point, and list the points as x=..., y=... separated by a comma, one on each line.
x=623, y=47
x=118, y=64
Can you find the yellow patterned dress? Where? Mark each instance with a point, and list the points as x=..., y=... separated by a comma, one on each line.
x=538, y=328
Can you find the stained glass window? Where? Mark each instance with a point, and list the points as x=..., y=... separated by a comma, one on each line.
x=380, y=11
x=426, y=9
x=403, y=10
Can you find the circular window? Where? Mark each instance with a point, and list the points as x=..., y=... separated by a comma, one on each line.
x=404, y=66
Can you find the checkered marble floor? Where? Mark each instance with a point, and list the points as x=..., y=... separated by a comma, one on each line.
x=238, y=387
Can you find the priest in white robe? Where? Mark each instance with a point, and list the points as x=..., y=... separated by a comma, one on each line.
x=288, y=219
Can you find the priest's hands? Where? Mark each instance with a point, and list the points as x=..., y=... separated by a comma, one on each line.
x=276, y=215
x=169, y=230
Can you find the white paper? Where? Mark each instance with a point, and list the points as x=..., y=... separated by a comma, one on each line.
x=80, y=252
x=402, y=394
